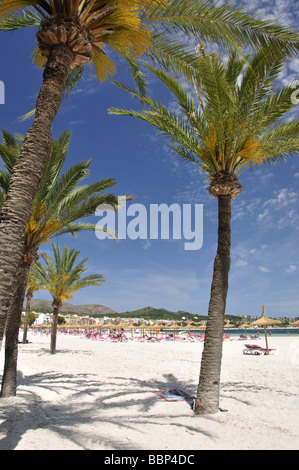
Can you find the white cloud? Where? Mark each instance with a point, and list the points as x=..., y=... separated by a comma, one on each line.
x=241, y=263
x=264, y=269
x=284, y=197
x=281, y=210
x=291, y=269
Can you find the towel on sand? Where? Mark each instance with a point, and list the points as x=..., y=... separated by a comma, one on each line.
x=176, y=395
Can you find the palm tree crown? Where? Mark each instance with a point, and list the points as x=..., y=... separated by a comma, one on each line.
x=133, y=27
x=62, y=276
x=231, y=122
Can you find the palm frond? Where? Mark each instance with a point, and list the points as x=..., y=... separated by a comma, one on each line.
x=62, y=203
x=232, y=128
x=134, y=28
x=61, y=276
x=224, y=24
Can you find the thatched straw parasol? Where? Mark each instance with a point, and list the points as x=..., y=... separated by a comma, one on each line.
x=190, y=324
x=109, y=326
x=121, y=325
x=156, y=326
x=245, y=326
x=228, y=325
x=174, y=326
x=131, y=326
x=296, y=323
x=265, y=321
x=143, y=326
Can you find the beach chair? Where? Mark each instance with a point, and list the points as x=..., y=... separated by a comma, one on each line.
x=255, y=350
x=256, y=336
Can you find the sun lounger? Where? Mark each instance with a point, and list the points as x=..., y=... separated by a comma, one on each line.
x=255, y=350
x=256, y=336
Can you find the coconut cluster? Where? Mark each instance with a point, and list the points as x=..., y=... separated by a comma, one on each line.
x=69, y=31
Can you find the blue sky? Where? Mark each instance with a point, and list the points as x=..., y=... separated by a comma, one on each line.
x=160, y=273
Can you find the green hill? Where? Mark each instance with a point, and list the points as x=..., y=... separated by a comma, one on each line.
x=151, y=313
x=147, y=313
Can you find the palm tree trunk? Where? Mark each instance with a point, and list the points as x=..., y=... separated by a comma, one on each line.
x=54, y=330
x=9, y=379
x=25, y=326
x=207, y=399
x=27, y=174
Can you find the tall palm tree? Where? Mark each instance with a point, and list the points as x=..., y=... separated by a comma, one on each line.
x=62, y=277
x=72, y=34
x=60, y=207
x=233, y=121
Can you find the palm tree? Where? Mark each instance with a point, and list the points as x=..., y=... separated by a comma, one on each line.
x=62, y=277
x=72, y=34
x=236, y=124
x=60, y=207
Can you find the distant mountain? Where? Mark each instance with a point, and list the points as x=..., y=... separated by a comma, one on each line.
x=45, y=306
x=151, y=313
x=95, y=310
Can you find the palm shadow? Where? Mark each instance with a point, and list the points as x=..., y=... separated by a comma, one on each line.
x=64, y=419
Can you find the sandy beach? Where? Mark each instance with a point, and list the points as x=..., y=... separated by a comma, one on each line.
x=94, y=395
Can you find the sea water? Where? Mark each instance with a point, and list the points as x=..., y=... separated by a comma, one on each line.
x=270, y=331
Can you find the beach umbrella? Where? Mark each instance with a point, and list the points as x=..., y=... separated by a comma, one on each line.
x=296, y=323
x=195, y=326
x=245, y=326
x=190, y=324
x=131, y=327
x=143, y=326
x=175, y=326
x=265, y=321
x=157, y=326
x=121, y=325
x=109, y=326
x=228, y=325
x=202, y=326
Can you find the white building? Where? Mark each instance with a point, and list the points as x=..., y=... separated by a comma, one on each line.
x=42, y=318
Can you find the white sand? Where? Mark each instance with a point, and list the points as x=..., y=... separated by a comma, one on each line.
x=95, y=395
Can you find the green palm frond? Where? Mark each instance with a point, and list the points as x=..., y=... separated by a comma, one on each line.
x=54, y=164
x=62, y=203
x=9, y=149
x=237, y=121
x=35, y=282
x=2, y=197
x=66, y=183
x=27, y=19
x=280, y=141
x=61, y=276
x=132, y=28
